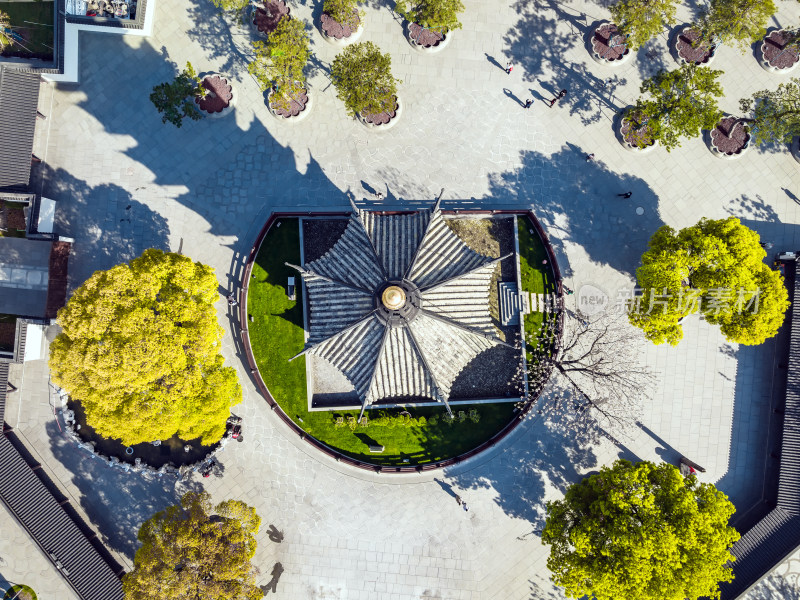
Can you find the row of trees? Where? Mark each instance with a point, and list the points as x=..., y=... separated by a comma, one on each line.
x=683, y=102
x=737, y=22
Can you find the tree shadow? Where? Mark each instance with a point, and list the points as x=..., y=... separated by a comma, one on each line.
x=107, y=237
x=223, y=36
x=116, y=502
x=577, y=203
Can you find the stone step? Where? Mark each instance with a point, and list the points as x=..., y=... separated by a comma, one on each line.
x=510, y=303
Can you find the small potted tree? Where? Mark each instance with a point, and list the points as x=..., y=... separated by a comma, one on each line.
x=641, y=20
x=430, y=22
x=634, y=131
x=341, y=22
x=175, y=99
x=731, y=22
x=682, y=103
x=730, y=138
x=264, y=17
x=218, y=98
x=364, y=82
x=775, y=115
x=779, y=51
x=278, y=67
x=609, y=45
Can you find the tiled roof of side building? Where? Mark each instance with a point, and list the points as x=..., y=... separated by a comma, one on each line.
x=777, y=535
x=19, y=100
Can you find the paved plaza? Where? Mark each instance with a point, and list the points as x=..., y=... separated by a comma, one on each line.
x=124, y=182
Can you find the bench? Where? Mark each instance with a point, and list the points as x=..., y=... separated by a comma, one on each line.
x=290, y=288
x=376, y=449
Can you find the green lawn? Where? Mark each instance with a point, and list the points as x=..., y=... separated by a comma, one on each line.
x=276, y=335
x=34, y=22
x=536, y=276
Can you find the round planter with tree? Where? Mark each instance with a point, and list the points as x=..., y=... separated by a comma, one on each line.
x=364, y=82
x=641, y=20
x=780, y=51
x=634, y=132
x=20, y=592
x=609, y=46
x=264, y=18
x=175, y=100
x=774, y=114
x=681, y=104
x=218, y=99
x=730, y=138
x=430, y=22
x=736, y=22
x=341, y=22
x=278, y=67
x=692, y=48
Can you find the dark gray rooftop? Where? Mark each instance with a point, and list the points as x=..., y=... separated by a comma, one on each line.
x=777, y=535
x=19, y=99
x=24, y=269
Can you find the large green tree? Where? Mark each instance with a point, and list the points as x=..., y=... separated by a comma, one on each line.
x=681, y=103
x=739, y=22
x=196, y=551
x=175, y=99
x=363, y=79
x=5, y=30
x=642, y=20
x=640, y=532
x=279, y=62
x=716, y=268
x=140, y=349
x=775, y=114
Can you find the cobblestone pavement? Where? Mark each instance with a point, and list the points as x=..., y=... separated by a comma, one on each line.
x=125, y=182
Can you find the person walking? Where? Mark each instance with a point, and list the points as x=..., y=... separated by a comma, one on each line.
x=379, y=196
x=558, y=97
x=232, y=300
x=465, y=507
x=509, y=68
x=528, y=103
x=625, y=195
x=562, y=93
x=590, y=157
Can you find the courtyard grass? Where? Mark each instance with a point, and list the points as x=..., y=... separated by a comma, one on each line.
x=276, y=334
x=536, y=277
x=34, y=22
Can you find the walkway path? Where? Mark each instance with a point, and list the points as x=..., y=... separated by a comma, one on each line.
x=126, y=182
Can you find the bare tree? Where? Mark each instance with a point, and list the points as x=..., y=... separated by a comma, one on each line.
x=597, y=367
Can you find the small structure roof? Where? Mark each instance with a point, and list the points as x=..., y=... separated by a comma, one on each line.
x=24, y=269
x=415, y=349
x=19, y=100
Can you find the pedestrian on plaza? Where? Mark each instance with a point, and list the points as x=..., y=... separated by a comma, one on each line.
x=528, y=103
x=562, y=93
x=465, y=507
x=568, y=291
x=607, y=82
x=232, y=300
x=458, y=499
x=509, y=68
x=378, y=195
x=767, y=245
x=590, y=157
x=625, y=195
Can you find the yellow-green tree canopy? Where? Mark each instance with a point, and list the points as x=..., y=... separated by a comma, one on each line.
x=640, y=532
x=140, y=350
x=196, y=551
x=716, y=268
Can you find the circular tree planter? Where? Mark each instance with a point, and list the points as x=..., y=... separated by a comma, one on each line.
x=609, y=46
x=702, y=54
x=426, y=40
x=730, y=138
x=20, y=592
x=383, y=120
x=219, y=99
x=633, y=136
x=340, y=34
x=299, y=107
x=773, y=54
x=265, y=18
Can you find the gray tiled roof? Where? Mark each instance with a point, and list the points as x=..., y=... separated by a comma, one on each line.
x=777, y=535
x=19, y=99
